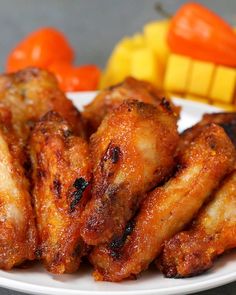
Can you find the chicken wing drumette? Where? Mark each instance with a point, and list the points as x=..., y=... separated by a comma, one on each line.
x=18, y=238
x=132, y=151
x=167, y=209
x=112, y=97
x=213, y=232
x=226, y=120
x=29, y=94
x=61, y=176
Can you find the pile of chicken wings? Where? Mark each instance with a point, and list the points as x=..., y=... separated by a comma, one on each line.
x=116, y=183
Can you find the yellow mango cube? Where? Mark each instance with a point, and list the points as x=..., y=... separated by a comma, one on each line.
x=138, y=40
x=223, y=85
x=106, y=80
x=144, y=66
x=103, y=81
x=118, y=67
x=201, y=77
x=119, y=63
x=178, y=71
x=196, y=98
x=226, y=107
x=156, y=38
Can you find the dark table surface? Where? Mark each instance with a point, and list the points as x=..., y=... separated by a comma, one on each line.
x=93, y=28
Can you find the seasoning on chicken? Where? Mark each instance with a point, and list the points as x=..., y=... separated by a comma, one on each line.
x=226, y=120
x=18, y=238
x=132, y=151
x=213, y=232
x=169, y=208
x=29, y=94
x=112, y=97
x=61, y=178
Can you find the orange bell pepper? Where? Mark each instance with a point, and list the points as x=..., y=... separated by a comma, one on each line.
x=197, y=32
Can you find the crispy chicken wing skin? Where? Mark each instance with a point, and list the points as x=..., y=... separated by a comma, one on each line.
x=213, y=232
x=31, y=93
x=61, y=174
x=226, y=120
x=8, y=131
x=18, y=238
x=167, y=209
x=112, y=97
x=132, y=152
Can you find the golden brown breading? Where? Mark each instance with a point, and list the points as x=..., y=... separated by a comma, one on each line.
x=112, y=97
x=169, y=208
x=18, y=238
x=213, y=232
x=226, y=120
x=8, y=131
x=132, y=152
x=61, y=175
x=31, y=93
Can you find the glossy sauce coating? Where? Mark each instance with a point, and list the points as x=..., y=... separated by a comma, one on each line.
x=61, y=184
x=31, y=93
x=213, y=232
x=226, y=120
x=112, y=97
x=18, y=237
x=132, y=151
x=168, y=209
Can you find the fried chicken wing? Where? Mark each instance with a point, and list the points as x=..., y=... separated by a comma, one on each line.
x=213, y=232
x=167, y=209
x=18, y=238
x=31, y=93
x=61, y=176
x=132, y=152
x=226, y=120
x=112, y=97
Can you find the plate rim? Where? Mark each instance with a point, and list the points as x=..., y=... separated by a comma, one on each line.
x=188, y=289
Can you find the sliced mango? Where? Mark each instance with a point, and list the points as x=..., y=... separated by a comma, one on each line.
x=226, y=107
x=155, y=34
x=144, y=66
x=119, y=63
x=146, y=56
x=118, y=66
x=138, y=40
x=178, y=71
x=223, y=85
x=106, y=80
x=196, y=98
x=201, y=78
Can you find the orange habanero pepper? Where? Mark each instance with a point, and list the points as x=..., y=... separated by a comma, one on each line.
x=40, y=49
x=76, y=78
x=197, y=32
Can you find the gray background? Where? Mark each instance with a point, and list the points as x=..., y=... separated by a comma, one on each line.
x=93, y=27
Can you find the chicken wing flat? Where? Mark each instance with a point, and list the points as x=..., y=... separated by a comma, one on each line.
x=167, y=209
x=132, y=151
x=31, y=93
x=18, y=238
x=112, y=97
x=214, y=231
x=61, y=175
x=226, y=120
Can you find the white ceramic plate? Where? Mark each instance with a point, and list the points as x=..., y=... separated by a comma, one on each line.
x=37, y=281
